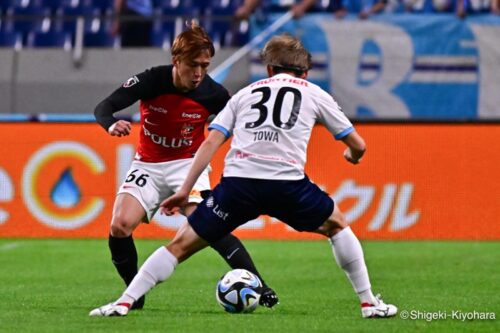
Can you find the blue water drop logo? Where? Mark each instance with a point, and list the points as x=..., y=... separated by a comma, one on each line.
x=65, y=193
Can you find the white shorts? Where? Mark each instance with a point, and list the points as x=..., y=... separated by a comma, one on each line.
x=151, y=183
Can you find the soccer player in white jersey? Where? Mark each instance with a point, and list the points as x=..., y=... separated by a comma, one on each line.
x=175, y=102
x=271, y=121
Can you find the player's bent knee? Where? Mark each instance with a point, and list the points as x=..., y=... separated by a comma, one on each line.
x=338, y=218
x=329, y=229
x=335, y=223
x=121, y=228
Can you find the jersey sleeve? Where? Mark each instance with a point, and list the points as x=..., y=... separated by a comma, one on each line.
x=221, y=97
x=137, y=87
x=225, y=120
x=331, y=115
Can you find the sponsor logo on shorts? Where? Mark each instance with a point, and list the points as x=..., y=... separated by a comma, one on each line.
x=210, y=202
x=220, y=213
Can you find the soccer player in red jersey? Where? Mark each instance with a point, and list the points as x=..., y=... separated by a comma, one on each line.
x=175, y=103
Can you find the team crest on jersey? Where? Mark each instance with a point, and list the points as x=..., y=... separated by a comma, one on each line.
x=187, y=130
x=130, y=82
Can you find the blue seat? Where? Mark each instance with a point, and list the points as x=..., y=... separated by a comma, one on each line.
x=325, y=6
x=180, y=7
x=219, y=22
x=476, y=7
x=53, y=5
x=10, y=39
x=69, y=12
x=274, y=6
x=172, y=15
x=105, y=6
x=97, y=30
x=100, y=38
x=51, y=38
x=242, y=34
x=5, y=4
x=428, y=6
x=161, y=37
x=26, y=16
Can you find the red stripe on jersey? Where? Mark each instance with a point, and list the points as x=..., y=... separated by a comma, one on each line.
x=172, y=128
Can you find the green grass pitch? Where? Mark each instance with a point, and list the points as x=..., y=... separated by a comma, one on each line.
x=51, y=285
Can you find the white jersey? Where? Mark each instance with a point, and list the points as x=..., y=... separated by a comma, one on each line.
x=271, y=121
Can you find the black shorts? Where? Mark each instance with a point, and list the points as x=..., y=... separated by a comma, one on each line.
x=234, y=201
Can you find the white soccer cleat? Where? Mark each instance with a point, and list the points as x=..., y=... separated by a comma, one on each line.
x=111, y=310
x=379, y=310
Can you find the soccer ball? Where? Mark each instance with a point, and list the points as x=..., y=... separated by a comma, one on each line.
x=238, y=291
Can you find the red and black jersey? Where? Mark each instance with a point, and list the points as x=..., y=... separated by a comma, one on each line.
x=172, y=121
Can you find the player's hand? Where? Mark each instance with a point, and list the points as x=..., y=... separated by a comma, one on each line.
x=120, y=128
x=173, y=204
x=348, y=156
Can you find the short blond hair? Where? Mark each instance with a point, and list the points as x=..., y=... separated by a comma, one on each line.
x=287, y=53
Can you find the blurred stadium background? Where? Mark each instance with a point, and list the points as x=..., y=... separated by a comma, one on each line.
x=420, y=79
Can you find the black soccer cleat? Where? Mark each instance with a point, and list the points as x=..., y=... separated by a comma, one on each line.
x=268, y=297
x=139, y=304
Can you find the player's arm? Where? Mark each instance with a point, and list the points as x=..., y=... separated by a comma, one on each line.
x=330, y=114
x=200, y=162
x=356, y=147
x=115, y=102
x=135, y=88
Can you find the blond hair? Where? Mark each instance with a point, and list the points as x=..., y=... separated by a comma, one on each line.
x=192, y=42
x=286, y=53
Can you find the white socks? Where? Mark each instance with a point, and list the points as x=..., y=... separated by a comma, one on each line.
x=349, y=256
x=157, y=268
x=345, y=245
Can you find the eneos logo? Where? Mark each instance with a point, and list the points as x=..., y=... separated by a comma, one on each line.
x=51, y=189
